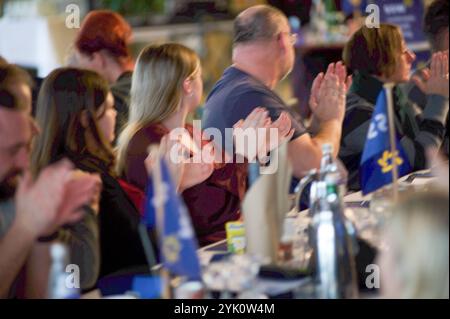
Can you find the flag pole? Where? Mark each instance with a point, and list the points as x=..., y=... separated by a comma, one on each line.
x=159, y=202
x=390, y=108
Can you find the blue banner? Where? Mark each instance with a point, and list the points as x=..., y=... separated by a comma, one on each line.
x=408, y=14
x=377, y=159
x=177, y=240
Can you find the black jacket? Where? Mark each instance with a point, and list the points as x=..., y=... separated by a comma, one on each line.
x=120, y=244
x=417, y=129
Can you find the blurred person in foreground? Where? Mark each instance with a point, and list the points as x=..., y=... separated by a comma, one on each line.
x=378, y=56
x=415, y=264
x=101, y=45
x=32, y=211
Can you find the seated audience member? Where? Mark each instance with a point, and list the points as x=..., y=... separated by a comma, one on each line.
x=415, y=265
x=101, y=45
x=167, y=85
x=34, y=209
x=263, y=55
x=3, y=61
x=378, y=56
x=435, y=26
x=76, y=112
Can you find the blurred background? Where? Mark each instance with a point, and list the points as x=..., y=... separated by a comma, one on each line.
x=35, y=33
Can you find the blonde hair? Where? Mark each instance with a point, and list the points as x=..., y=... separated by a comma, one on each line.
x=419, y=234
x=156, y=89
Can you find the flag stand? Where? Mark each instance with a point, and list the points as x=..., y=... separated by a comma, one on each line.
x=390, y=110
x=159, y=202
x=167, y=287
x=148, y=248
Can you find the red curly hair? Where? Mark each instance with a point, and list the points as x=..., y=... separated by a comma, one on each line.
x=105, y=30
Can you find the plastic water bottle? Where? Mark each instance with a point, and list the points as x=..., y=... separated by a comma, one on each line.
x=335, y=265
x=333, y=171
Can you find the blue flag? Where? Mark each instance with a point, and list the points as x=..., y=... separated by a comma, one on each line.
x=376, y=162
x=177, y=242
x=149, y=209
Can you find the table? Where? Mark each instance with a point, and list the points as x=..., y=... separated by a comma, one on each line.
x=304, y=287
x=422, y=178
x=359, y=210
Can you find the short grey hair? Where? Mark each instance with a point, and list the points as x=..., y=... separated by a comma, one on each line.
x=259, y=22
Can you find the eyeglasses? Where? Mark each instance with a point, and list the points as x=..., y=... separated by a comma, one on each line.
x=292, y=37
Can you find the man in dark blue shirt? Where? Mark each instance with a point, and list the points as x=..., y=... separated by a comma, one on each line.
x=241, y=94
x=263, y=55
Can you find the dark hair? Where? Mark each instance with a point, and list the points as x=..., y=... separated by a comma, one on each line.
x=10, y=77
x=257, y=23
x=374, y=51
x=3, y=61
x=65, y=95
x=105, y=30
x=435, y=21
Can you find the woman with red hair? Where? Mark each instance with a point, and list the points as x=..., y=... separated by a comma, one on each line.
x=101, y=45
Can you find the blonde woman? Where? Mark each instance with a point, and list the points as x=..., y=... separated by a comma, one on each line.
x=166, y=87
x=416, y=263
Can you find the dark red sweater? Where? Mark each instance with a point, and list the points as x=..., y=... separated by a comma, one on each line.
x=211, y=203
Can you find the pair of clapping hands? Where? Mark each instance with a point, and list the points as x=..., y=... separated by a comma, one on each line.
x=197, y=162
x=55, y=198
x=190, y=163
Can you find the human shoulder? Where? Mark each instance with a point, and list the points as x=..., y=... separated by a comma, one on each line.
x=357, y=115
x=144, y=137
x=357, y=102
x=236, y=84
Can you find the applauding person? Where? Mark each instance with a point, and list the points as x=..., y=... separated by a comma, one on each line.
x=167, y=86
x=263, y=55
x=379, y=56
x=37, y=209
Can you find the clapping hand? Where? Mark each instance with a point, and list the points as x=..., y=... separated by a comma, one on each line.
x=54, y=198
x=434, y=80
x=185, y=170
x=328, y=93
x=262, y=126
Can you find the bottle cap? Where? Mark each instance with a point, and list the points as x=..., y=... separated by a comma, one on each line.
x=58, y=251
x=321, y=189
x=327, y=148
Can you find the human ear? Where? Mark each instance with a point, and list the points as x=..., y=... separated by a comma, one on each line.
x=187, y=87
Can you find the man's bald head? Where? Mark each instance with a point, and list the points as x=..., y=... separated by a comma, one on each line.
x=257, y=23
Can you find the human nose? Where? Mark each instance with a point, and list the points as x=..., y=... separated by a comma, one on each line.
x=411, y=56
